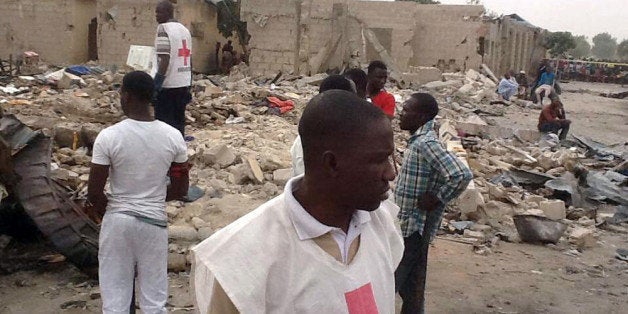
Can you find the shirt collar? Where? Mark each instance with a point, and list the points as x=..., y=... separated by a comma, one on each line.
x=308, y=227
x=427, y=127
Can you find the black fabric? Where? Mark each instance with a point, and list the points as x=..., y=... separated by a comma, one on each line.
x=170, y=106
x=413, y=265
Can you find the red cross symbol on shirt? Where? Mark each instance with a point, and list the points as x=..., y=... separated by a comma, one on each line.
x=184, y=52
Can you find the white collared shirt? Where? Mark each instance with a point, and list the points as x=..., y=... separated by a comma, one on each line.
x=308, y=227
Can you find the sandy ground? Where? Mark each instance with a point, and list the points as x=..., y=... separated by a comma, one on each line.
x=514, y=278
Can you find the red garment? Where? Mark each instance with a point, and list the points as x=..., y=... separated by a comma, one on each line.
x=548, y=114
x=284, y=106
x=385, y=101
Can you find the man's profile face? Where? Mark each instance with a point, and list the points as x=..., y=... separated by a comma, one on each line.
x=378, y=78
x=410, y=117
x=365, y=169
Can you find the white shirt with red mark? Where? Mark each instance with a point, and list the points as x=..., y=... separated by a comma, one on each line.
x=174, y=39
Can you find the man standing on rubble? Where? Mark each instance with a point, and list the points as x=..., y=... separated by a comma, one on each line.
x=173, y=72
x=553, y=119
x=328, y=244
x=377, y=77
x=139, y=155
x=429, y=178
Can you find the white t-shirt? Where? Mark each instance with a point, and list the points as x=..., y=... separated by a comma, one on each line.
x=174, y=39
x=139, y=154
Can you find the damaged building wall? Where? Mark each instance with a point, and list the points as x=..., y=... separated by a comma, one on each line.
x=122, y=23
x=60, y=32
x=446, y=37
x=57, y=30
x=513, y=44
x=307, y=36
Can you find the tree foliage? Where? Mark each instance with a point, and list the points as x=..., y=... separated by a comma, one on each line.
x=559, y=43
x=582, y=49
x=604, y=46
x=622, y=50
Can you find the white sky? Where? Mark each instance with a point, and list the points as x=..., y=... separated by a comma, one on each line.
x=580, y=17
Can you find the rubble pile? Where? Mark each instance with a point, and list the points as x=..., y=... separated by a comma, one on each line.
x=241, y=152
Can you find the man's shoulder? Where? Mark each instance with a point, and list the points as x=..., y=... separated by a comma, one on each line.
x=245, y=231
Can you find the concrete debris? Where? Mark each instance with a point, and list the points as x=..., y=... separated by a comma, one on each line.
x=554, y=209
x=583, y=237
x=182, y=233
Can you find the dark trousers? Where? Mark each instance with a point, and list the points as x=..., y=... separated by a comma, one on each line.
x=554, y=127
x=411, y=272
x=170, y=106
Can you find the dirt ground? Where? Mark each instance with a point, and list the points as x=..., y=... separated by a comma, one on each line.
x=513, y=278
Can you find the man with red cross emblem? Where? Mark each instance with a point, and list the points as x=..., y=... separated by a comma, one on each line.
x=173, y=69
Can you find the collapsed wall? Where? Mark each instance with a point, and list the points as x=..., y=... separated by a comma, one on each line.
x=306, y=36
x=58, y=28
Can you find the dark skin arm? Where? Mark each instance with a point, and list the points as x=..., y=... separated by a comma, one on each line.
x=179, y=185
x=163, y=61
x=98, y=175
x=428, y=202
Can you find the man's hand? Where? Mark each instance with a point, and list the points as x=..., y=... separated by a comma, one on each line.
x=428, y=202
x=94, y=212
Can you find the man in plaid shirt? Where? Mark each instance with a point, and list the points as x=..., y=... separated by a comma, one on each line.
x=430, y=177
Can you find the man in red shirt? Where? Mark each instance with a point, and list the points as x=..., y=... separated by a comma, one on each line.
x=377, y=76
x=552, y=119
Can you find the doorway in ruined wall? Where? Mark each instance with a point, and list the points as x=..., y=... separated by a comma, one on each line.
x=384, y=35
x=92, y=40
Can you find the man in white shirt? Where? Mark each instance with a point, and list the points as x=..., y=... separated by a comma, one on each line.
x=146, y=163
x=173, y=70
x=328, y=244
x=331, y=82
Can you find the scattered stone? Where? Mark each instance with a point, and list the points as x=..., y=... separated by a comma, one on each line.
x=583, y=237
x=474, y=234
x=205, y=232
x=182, y=233
x=281, y=176
x=255, y=172
x=177, y=262
x=554, y=209
x=221, y=155
x=198, y=223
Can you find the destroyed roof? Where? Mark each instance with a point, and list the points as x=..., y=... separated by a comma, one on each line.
x=518, y=18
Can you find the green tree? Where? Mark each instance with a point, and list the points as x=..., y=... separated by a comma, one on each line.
x=423, y=1
x=604, y=46
x=559, y=43
x=622, y=50
x=582, y=49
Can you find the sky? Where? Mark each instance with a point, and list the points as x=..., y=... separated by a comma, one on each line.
x=580, y=17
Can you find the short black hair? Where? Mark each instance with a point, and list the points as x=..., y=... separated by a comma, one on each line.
x=331, y=119
x=427, y=104
x=377, y=65
x=139, y=85
x=359, y=77
x=335, y=82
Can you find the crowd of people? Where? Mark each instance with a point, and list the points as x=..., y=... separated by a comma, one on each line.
x=588, y=71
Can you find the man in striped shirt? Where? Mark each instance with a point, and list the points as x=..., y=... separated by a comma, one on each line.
x=429, y=178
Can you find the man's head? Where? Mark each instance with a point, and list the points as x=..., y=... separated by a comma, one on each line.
x=360, y=79
x=377, y=74
x=347, y=144
x=336, y=82
x=548, y=69
x=556, y=103
x=164, y=11
x=418, y=110
x=136, y=91
x=507, y=75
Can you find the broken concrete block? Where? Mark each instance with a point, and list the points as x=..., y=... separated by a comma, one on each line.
x=481, y=228
x=498, y=210
x=172, y=211
x=466, y=90
x=204, y=233
x=177, y=262
x=553, y=209
x=533, y=198
x=255, y=172
x=281, y=176
x=221, y=155
x=239, y=174
x=182, y=233
x=583, y=237
x=198, y=223
x=474, y=234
